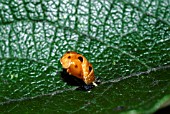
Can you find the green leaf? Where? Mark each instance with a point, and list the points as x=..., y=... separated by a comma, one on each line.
x=128, y=43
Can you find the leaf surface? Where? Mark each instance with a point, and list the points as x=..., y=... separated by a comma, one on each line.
x=128, y=43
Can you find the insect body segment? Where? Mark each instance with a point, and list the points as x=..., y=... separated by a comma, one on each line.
x=78, y=66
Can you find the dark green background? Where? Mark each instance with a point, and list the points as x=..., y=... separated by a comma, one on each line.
x=128, y=43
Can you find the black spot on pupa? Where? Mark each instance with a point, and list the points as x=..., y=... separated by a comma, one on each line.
x=69, y=57
x=90, y=68
x=80, y=58
x=76, y=66
x=68, y=51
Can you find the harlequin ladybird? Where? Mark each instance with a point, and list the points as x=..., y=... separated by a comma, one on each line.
x=77, y=65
